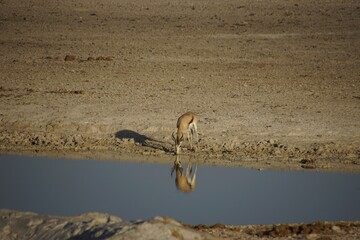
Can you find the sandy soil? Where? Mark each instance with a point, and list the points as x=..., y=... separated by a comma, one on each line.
x=276, y=84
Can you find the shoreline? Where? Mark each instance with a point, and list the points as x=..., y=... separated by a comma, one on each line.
x=267, y=154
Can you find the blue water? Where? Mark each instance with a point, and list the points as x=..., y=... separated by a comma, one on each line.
x=142, y=191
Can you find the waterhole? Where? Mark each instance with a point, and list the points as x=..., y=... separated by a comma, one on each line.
x=141, y=191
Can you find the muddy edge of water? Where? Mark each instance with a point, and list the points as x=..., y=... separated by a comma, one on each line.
x=265, y=154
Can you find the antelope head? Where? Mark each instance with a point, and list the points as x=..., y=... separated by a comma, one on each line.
x=178, y=139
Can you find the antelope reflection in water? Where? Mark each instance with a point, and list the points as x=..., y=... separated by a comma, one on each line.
x=185, y=183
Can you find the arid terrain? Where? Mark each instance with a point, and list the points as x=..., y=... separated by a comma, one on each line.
x=276, y=84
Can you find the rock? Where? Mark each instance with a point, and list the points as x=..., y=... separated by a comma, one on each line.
x=24, y=225
x=336, y=228
x=70, y=58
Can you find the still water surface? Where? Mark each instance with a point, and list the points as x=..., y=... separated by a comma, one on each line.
x=141, y=191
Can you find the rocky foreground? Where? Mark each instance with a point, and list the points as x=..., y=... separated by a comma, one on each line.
x=27, y=225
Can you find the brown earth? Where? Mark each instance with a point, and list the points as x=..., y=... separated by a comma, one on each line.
x=276, y=84
x=317, y=230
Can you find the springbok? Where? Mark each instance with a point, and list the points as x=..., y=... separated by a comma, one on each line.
x=184, y=183
x=185, y=124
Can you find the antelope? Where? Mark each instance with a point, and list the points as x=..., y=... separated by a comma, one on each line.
x=184, y=183
x=185, y=124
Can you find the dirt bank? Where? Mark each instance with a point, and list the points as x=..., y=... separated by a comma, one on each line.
x=276, y=85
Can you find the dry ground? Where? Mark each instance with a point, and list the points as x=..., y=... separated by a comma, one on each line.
x=276, y=84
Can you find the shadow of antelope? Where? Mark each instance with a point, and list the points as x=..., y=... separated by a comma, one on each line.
x=138, y=138
x=184, y=182
x=141, y=139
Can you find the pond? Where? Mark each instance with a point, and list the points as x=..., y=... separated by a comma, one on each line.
x=141, y=191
